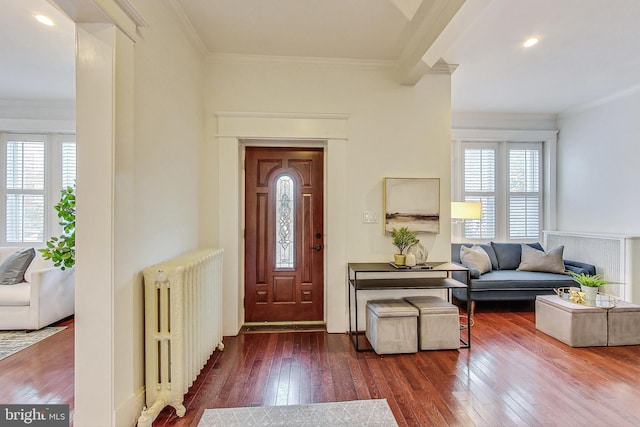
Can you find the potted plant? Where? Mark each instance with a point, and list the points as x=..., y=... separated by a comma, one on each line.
x=62, y=250
x=589, y=284
x=403, y=238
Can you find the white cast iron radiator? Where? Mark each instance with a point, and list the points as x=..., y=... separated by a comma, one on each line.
x=616, y=257
x=183, y=326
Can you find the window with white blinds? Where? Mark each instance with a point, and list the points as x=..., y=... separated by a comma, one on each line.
x=36, y=167
x=480, y=186
x=25, y=191
x=525, y=198
x=68, y=164
x=507, y=179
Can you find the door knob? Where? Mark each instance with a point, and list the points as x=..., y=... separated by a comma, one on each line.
x=317, y=248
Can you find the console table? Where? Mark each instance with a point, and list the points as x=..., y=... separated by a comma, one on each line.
x=384, y=276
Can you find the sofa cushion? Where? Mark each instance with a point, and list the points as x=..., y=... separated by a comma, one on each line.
x=13, y=268
x=512, y=279
x=579, y=267
x=508, y=254
x=535, y=260
x=455, y=253
x=38, y=263
x=15, y=295
x=475, y=258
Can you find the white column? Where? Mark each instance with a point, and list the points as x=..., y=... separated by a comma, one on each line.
x=127, y=396
x=94, y=385
x=230, y=231
x=336, y=309
x=103, y=335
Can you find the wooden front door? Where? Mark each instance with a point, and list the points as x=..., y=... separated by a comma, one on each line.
x=284, y=236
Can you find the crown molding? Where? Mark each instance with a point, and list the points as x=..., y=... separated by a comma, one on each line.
x=132, y=13
x=441, y=67
x=600, y=101
x=503, y=120
x=188, y=28
x=233, y=58
x=38, y=103
x=511, y=135
x=37, y=116
x=37, y=109
x=37, y=126
x=319, y=116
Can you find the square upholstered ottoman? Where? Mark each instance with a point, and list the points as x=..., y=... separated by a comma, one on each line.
x=438, y=323
x=392, y=326
x=624, y=324
x=574, y=324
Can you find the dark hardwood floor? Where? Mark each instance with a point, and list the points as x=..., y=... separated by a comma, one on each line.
x=41, y=373
x=512, y=375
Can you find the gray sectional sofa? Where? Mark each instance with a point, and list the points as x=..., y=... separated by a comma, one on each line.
x=505, y=282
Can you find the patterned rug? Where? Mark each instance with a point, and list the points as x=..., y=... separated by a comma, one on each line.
x=13, y=341
x=354, y=413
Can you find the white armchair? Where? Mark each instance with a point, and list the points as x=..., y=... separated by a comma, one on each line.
x=46, y=295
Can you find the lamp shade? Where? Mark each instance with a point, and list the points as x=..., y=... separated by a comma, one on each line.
x=466, y=210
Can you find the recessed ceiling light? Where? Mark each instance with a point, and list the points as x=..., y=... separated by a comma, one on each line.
x=45, y=20
x=530, y=42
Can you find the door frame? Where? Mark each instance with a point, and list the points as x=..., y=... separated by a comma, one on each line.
x=329, y=130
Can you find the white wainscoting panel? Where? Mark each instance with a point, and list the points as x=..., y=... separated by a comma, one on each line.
x=616, y=257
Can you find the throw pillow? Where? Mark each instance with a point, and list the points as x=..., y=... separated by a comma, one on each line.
x=509, y=254
x=475, y=258
x=536, y=260
x=492, y=254
x=13, y=268
x=455, y=253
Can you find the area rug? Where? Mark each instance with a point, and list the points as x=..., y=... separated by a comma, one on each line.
x=13, y=341
x=353, y=413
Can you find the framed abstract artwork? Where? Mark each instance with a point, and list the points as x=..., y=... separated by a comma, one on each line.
x=413, y=203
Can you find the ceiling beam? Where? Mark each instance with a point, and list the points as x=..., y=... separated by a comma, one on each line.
x=434, y=28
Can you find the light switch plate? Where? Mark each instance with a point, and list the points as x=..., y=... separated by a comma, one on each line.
x=369, y=217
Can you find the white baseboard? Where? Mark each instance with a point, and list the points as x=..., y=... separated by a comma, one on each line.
x=127, y=414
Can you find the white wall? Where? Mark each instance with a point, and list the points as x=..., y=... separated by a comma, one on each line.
x=598, y=171
x=20, y=116
x=393, y=131
x=169, y=132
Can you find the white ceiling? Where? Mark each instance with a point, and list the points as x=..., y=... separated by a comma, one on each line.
x=37, y=61
x=358, y=29
x=589, y=49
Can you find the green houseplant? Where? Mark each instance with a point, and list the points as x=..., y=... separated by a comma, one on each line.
x=589, y=284
x=62, y=250
x=403, y=238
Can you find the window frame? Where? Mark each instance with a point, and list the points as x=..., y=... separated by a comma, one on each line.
x=497, y=185
x=52, y=181
x=536, y=146
x=548, y=140
x=40, y=139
